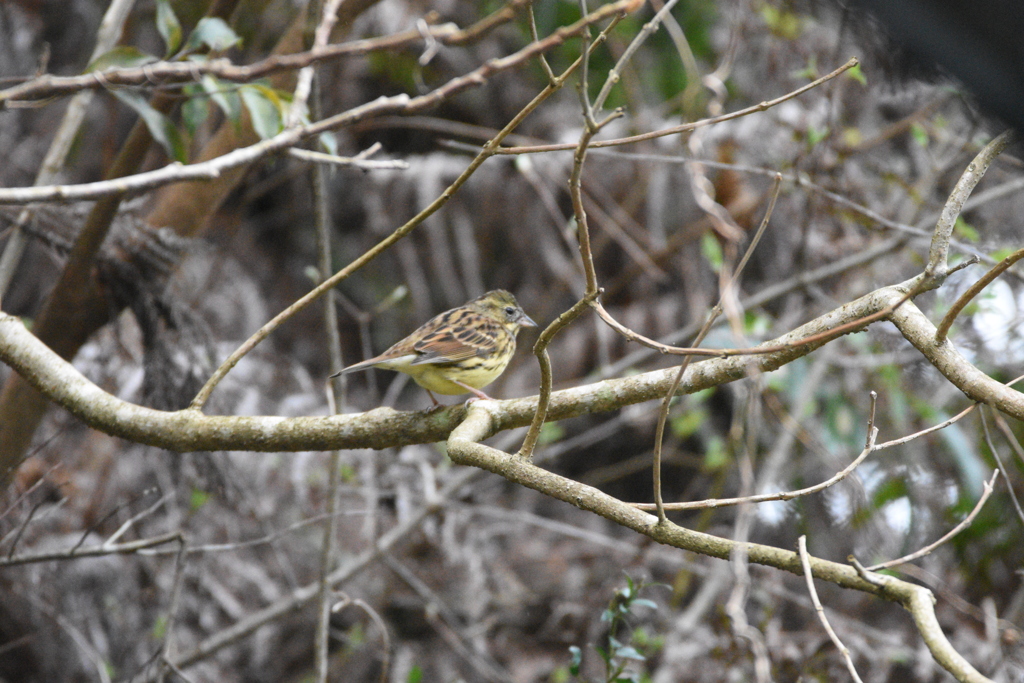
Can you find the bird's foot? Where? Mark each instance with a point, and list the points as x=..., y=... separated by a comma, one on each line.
x=479, y=395
x=437, y=404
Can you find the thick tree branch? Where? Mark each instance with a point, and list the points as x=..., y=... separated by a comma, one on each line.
x=189, y=430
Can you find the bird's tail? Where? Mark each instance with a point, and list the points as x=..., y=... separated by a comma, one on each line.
x=356, y=367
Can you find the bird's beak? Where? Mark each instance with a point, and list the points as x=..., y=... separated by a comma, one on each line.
x=527, y=321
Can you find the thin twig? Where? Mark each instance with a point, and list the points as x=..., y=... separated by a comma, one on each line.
x=973, y=291
x=686, y=127
x=93, y=551
x=540, y=349
x=942, y=425
x=310, y=86
x=123, y=529
x=346, y=601
x=805, y=561
x=1010, y=437
x=362, y=164
x=489, y=150
x=764, y=296
x=615, y=73
x=947, y=536
x=449, y=626
x=736, y=605
x=1001, y=466
x=167, y=651
x=659, y=434
x=713, y=503
x=464, y=448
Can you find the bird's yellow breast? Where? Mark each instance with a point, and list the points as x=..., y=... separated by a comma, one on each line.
x=438, y=378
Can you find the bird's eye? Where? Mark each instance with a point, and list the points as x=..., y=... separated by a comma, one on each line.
x=509, y=311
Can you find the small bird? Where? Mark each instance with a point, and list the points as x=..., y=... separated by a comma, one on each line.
x=459, y=351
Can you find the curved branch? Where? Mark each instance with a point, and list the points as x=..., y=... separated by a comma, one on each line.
x=939, y=251
x=190, y=430
x=974, y=383
x=483, y=419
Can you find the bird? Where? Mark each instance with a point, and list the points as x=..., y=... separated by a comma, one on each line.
x=459, y=351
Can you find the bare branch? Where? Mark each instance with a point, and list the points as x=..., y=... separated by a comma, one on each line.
x=939, y=251
x=973, y=291
x=108, y=35
x=484, y=419
x=766, y=497
x=189, y=430
x=806, y=562
x=382, y=246
x=93, y=551
x=177, y=172
x=686, y=127
x=166, y=73
x=947, y=536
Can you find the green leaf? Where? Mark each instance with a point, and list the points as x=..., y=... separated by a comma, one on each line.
x=160, y=627
x=781, y=22
x=716, y=456
x=348, y=474
x=225, y=96
x=816, y=135
x=168, y=25
x=196, y=108
x=629, y=652
x=329, y=143
x=857, y=74
x=756, y=324
x=265, y=108
x=550, y=432
x=892, y=489
x=687, y=423
x=123, y=56
x=415, y=675
x=576, y=659
x=214, y=33
x=852, y=136
x=809, y=72
x=712, y=250
x=160, y=127
x=965, y=230
x=197, y=499
x=919, y=133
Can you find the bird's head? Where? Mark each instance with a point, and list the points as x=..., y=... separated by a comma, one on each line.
x=502, y=306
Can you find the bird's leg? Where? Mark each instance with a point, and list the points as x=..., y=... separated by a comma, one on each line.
x=476, y=392
x=437, y=404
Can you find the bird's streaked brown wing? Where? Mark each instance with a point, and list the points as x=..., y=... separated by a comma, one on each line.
x=461, y=335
